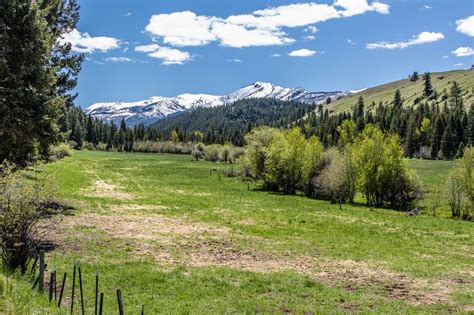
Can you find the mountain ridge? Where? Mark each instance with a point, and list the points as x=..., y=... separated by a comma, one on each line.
x=157, y=107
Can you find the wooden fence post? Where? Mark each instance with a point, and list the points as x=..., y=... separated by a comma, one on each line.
x=119, y=300
x=73, y=287
x=62, y=290
x=101, y=305
x=41, y=271
x=80, y=286
x=96, y=289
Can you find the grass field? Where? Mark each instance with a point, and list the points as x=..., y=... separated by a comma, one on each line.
x=179, y=237
x=409, y=90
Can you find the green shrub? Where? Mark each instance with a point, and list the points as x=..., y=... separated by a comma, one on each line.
x=23, y=203
x=60, y=151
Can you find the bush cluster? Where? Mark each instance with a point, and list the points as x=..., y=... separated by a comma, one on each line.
x=460, y=187
x=369, y=162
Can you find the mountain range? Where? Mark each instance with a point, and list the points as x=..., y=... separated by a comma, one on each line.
x=157, y=107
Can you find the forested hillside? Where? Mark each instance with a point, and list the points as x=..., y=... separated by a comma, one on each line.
x=411, y=88
x=232, y=122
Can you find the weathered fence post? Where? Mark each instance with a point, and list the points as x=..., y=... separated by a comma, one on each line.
x=248, y=186
x=62, y=290
x=55, y=286
x=101, y=304
x=143, y=309
x=80, y=286
x=73, y=286
x=41, y=271
x=119, y=300
x=51, y=279
x=96, y=288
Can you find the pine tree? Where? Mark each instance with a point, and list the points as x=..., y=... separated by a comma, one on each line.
x=436, y=139
x=397, y=99
x=448, y=143
x=428, y=88
x=414, y=77
x=36, y=75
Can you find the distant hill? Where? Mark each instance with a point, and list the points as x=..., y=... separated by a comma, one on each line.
x=409, y=90
x=231, y=122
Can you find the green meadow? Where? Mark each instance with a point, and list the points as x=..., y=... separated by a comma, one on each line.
x=181, y=238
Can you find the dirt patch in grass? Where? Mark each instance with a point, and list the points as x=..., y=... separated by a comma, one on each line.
x=178, y=241
x=102, y=189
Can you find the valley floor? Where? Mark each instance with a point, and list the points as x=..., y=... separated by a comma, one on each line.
x=179, y=237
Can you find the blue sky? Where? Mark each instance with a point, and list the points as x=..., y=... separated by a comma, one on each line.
x=135, y=49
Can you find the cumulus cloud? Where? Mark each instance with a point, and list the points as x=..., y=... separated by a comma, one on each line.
x=259, y=28
x=310, y=37
x=237, y=36
x=84, y=43
x=235, y=60
x=311, y=29
x=355, y=7
x=169, y=56
x=350, y=42
x=458, y=64
x=118, y=59
x=426, y=7
x=466, y=26
x=463, y=52
x=275, y=55
x=302, y=53
x=182, y=28
x=422, y=38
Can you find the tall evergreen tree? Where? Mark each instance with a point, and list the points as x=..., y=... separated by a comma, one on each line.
x=397, y=99
x=37, y=73
x=428, y=88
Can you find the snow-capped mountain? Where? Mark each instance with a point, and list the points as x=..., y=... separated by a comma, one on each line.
x=157, y=107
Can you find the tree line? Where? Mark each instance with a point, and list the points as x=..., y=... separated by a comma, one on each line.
x=437, y=126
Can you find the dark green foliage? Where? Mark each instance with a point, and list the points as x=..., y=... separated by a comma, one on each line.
x=37, y=75
x=232, y=122
x=428, y=88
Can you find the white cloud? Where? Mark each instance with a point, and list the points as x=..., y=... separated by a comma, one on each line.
x=311, y=29
x=350, y=42
x=458, y=64
x=235, y=60
x=355, y=7
x=84, y=43
x=466, y=26
x=147, y=48
x=445, y=57
x=182, y=28
x=426, y=7
x=422, y=38
x=232, y=35
x=275, y=55
x=463, y=52
x=128, y=14
x=169, y=56
x=310, y=37
x=259, y=28
x=302, y=53
x=118, y=59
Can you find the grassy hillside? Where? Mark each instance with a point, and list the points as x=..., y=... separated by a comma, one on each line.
x=179, y=237
x=409, y=90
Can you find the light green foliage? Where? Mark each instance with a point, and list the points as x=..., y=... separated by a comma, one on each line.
x=460, y=187
x=285, y=163
x=60, y=151
x=383, y=175
x=258, y=140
